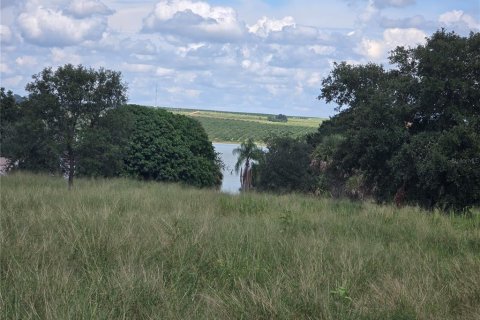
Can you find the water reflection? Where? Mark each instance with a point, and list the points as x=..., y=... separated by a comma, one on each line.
x=231, y=180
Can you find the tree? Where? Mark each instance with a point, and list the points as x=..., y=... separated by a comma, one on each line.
x=278, y=118
x=72, y=99
x=25, y=140
x=102, y=149
x=286, y=166
x=163, y=146
x=246, y=154
x=412, y=129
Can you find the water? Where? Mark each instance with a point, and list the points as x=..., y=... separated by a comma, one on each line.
x=231, y=180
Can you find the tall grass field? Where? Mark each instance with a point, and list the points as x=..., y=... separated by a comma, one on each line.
x=124, y=249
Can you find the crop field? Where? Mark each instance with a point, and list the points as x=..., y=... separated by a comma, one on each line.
x=236, y=127
x=125, y=249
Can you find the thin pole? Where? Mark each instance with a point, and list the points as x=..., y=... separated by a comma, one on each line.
x=156, y=90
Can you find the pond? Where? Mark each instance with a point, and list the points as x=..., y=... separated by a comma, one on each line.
x=231, y=180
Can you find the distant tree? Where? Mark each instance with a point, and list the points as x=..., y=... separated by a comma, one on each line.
x=70, y=100
x=278, y=118
x=247, y=153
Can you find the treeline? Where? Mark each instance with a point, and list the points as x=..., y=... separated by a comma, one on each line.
x=75, y=122
x=409, y=133
x=278, y=118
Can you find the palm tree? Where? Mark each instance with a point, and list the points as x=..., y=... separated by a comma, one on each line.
x=246, y=153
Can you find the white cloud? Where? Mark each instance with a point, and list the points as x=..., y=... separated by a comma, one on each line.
x=378, y=49
x=369, y=13
x=314, y=79
x=459, y=18
x=87, y=8
x=63, y=56
x=322, y=50
x=163, y=72
x=194, y=20
x=264, y=26
x=5, y=34
x=50, y=27
x=26, y=61
x=4, y=68
x=191, y=47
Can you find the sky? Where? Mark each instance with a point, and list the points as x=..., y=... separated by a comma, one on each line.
x=261, y=56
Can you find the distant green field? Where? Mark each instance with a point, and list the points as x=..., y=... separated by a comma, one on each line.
x=235, y=126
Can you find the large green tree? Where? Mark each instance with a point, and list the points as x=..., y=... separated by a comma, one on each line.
x=163, y=146
x=69, y=101
x=412, y=129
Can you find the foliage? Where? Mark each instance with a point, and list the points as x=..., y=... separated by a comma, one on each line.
x=25, y=139
x=278, y=118
x=102, y=149
x=70, y=100
x=413, y=127
x=286, y=166
x=247, y=153
x=126, y=249
x=167, y=147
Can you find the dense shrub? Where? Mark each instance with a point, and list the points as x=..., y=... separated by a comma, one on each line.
x=286, y=166
x=167, y=147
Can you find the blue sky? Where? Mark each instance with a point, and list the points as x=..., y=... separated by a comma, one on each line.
x=237, y=55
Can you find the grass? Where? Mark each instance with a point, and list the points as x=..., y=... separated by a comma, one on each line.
x=235, y=127
x=123, y=249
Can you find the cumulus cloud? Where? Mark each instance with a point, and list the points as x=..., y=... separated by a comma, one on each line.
x=163, y=72
x=63, y=56
x=322, y=50
x=51, y=27
x=194, y=20
x=87, y=8
x=191, y=47
x=378, y=49
x=26, y=61
x=5, y=34
x=4, y=68
x=459, y=19
x=295, y=34
x=264, y=26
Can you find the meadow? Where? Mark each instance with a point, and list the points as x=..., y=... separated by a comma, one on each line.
x=222, y=126
x=125, y=249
